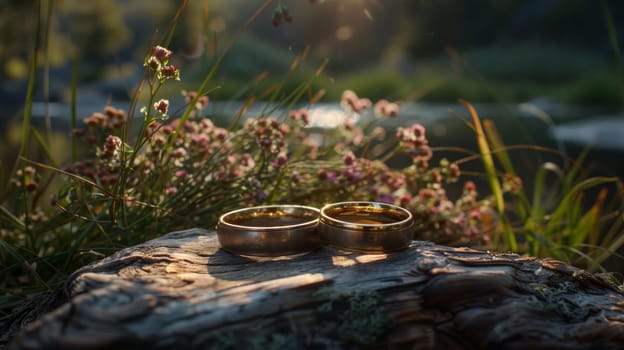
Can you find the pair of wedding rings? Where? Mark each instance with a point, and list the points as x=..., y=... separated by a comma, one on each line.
x=275, y=230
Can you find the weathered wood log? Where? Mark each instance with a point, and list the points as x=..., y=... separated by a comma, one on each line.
x=182, y=291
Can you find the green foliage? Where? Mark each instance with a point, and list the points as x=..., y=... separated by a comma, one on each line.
x=599, y=88
x=375, y=84
x=556, y=222
x=537, y=62
x=97, y=28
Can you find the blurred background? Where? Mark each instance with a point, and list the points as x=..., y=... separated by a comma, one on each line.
x=549, y=72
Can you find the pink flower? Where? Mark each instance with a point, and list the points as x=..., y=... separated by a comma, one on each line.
x=380, y=105
x=169, y=72
x=200, y=140
x=385, y=198
x=470, y=187
x=222, y=134
x=153, y=63
x=348, y=97
x=161, y=54
x=412, y=134
x=351, y=101
x=111, y=147
x=360, y=105
x=206, y=124
x=352, y=175
x=348, y=123
x=159, y=140
x=474, y=214
x=349, y=158
x=405, y=200
x=280, y=161
x=300, y=115
x=386, y=109
x=191, y=127
x=202, y=102
x=178, y=153
x=425, y=194
x=453, y=171
x=162, y=106
x=246, y=161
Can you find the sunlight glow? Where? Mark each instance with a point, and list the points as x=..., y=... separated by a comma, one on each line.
x=344, y=33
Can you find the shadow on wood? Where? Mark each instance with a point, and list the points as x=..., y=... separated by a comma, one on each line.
x=181, y=290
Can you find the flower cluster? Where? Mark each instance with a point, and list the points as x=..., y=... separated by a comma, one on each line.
x=511, y=184
x=162, y=106
x=190, y=164
x=158, y=62
x=300, y=116
x=414, y=142
x=27, y=178
x=385, y=108
x=352, y=102
x=112, y=118
x=200, y=102
x=270, y=134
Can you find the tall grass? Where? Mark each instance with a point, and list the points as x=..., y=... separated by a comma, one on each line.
x=556, y=222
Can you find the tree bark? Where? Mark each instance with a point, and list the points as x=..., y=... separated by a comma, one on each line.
x=181, y=290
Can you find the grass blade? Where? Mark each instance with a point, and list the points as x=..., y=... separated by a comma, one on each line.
x=30, y=90
x=500, y=151
x=44, y=147
x=559, y=215
x=74, y=117
x=490, y=169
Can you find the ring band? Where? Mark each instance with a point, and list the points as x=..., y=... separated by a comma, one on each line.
x=269, y=230
x=369, y=227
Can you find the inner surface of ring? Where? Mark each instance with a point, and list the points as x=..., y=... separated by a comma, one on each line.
x=363, y=215
x=274, y=217
x=268, y=219
x=367, y=217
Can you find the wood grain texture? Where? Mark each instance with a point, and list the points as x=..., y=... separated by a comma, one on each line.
x=182, y=291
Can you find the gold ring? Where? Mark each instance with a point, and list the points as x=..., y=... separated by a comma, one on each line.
x=369, y=227
x=269, y=230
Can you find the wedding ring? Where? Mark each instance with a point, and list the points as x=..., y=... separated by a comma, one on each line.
x=269, y=230
x=368, y=227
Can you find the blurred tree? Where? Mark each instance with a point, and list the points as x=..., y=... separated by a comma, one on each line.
x=431, y=26
x=16, y=17
x=96, y=27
